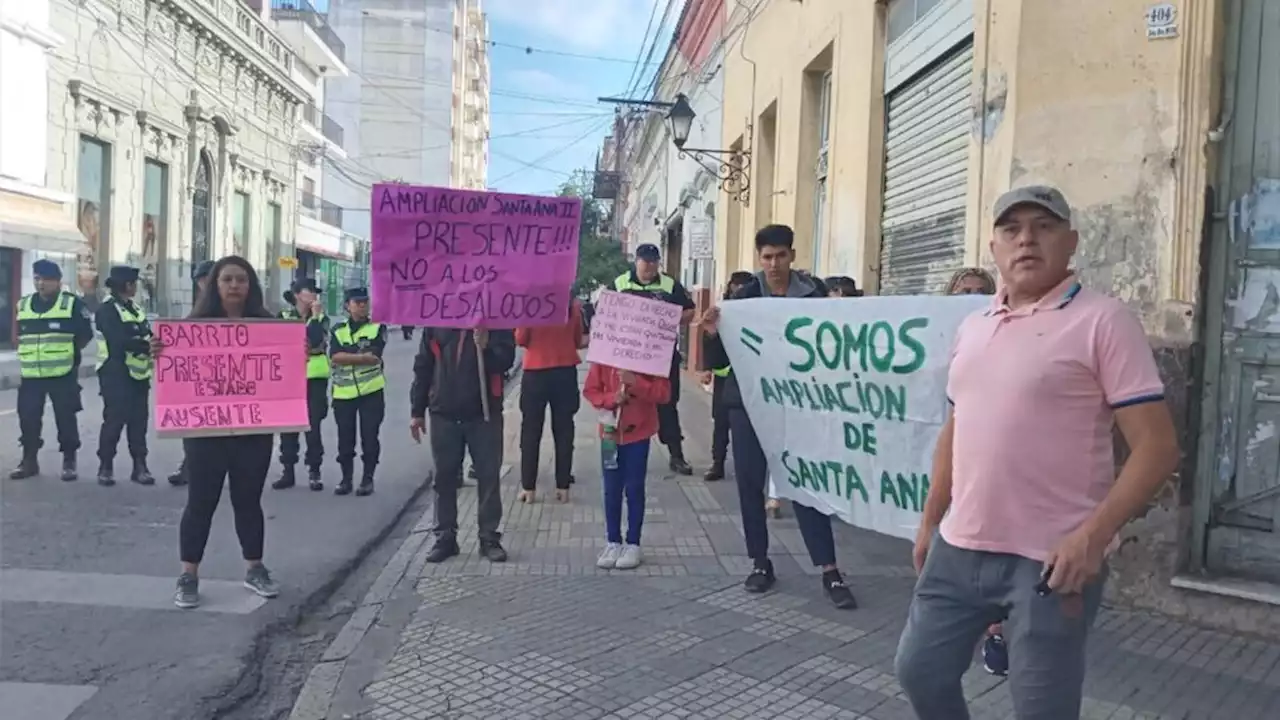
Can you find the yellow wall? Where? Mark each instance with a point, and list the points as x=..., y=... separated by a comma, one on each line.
x=1064, y=93
x=1075, y=95
x=779, y=43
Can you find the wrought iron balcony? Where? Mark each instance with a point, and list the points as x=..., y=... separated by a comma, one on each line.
x=307, y=13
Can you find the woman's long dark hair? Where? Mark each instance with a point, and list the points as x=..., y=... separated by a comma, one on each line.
x=739, y=278
x=209, y=305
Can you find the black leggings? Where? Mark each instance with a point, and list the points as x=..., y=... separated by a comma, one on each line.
x=244, y=462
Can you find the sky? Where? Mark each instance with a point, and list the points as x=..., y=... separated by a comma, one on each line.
x=546, y=121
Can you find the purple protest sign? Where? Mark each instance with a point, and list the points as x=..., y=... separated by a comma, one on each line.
x=444, y=257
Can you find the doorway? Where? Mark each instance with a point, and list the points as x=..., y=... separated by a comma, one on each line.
x=1237, y=504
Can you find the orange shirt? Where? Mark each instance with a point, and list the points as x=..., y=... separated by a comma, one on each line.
x=553, y=346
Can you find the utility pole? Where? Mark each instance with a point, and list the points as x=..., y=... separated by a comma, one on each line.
x=620, y=196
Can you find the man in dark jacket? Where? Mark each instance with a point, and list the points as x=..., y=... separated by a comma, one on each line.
x=775, y=252
x=446, y=383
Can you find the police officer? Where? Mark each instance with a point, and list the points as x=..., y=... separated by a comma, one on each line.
x=305, y=300
x=53, y=328
x=200, y=279
x=355, y=350
x=645, y=279
x=124, y=376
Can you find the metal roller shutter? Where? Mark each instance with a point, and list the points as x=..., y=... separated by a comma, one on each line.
x=926, y=177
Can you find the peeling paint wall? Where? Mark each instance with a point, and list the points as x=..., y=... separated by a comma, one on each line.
x=1075, y=95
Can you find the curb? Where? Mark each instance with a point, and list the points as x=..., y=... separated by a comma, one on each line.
x=316, y=696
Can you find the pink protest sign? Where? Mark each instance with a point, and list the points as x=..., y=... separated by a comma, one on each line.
x=632, y=332
x=443, y=257
x=230, y=377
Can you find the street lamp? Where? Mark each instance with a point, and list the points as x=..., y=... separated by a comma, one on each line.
x=681, y=117
x=731, y=168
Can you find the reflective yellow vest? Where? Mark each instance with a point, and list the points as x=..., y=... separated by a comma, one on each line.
x=624, y=283
x=353, y=381
x=317, y=365
x=47, y=340
x=138, y=364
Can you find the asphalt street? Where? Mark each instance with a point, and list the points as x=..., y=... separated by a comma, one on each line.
x=87, y=627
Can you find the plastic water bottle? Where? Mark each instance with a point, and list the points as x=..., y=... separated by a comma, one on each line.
x=609, y=441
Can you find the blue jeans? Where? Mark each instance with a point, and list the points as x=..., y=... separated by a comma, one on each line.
x=961, y=592
x=628, y=480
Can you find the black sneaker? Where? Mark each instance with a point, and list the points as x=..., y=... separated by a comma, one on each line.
x=141, y=474
x=995, y=655
x=716, y=472
x=837, y=592
x=443, y=549
x=366, y=488
x=492, y=551
x=680, y=466
x=313, y=480
x=344, y=487
x=287, y=479
x=179, y=478
x=106, y=475
x=187, y=596
x=28, y=468
x=69, y=473
x=761, y=578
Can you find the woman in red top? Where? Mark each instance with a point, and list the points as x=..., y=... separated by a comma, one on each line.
x=628, y=406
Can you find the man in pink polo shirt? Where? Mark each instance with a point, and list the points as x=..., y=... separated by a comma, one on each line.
x=1025, y=502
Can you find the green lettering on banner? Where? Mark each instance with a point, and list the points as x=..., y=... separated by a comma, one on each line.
x=919, y=356
x=828, y=476
x=881, y=402
x=791, y=333
x=907, y=491
x=860, y=437
x=877, y=346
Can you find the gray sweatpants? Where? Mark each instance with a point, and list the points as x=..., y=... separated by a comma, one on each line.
x=959, y=593
x=450, y=439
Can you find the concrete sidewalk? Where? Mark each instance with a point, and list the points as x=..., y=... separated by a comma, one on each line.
x=548, y=635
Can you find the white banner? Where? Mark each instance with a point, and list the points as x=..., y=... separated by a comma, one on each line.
x=847, y=397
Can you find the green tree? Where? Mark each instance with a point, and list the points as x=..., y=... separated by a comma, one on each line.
x=600, y=258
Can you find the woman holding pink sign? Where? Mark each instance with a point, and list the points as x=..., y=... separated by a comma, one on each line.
x=242, y=461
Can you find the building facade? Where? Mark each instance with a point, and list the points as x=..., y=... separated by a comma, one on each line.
x=37, y=216
x=1158, y=122
x=470, y=161
x=319, y=56
x=172, y=122
x=396, y=107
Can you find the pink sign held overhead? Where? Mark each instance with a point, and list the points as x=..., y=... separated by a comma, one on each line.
x=444, y=257
x=230, y=377
x=632, y=332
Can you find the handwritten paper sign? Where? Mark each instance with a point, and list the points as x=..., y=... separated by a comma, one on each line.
x=227, y=377
x=630, y=332
x=443, y=257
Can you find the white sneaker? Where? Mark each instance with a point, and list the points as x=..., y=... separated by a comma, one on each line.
x=609, y=556
x=629, y=558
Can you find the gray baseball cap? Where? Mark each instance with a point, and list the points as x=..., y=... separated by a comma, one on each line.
x=1050, y=199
